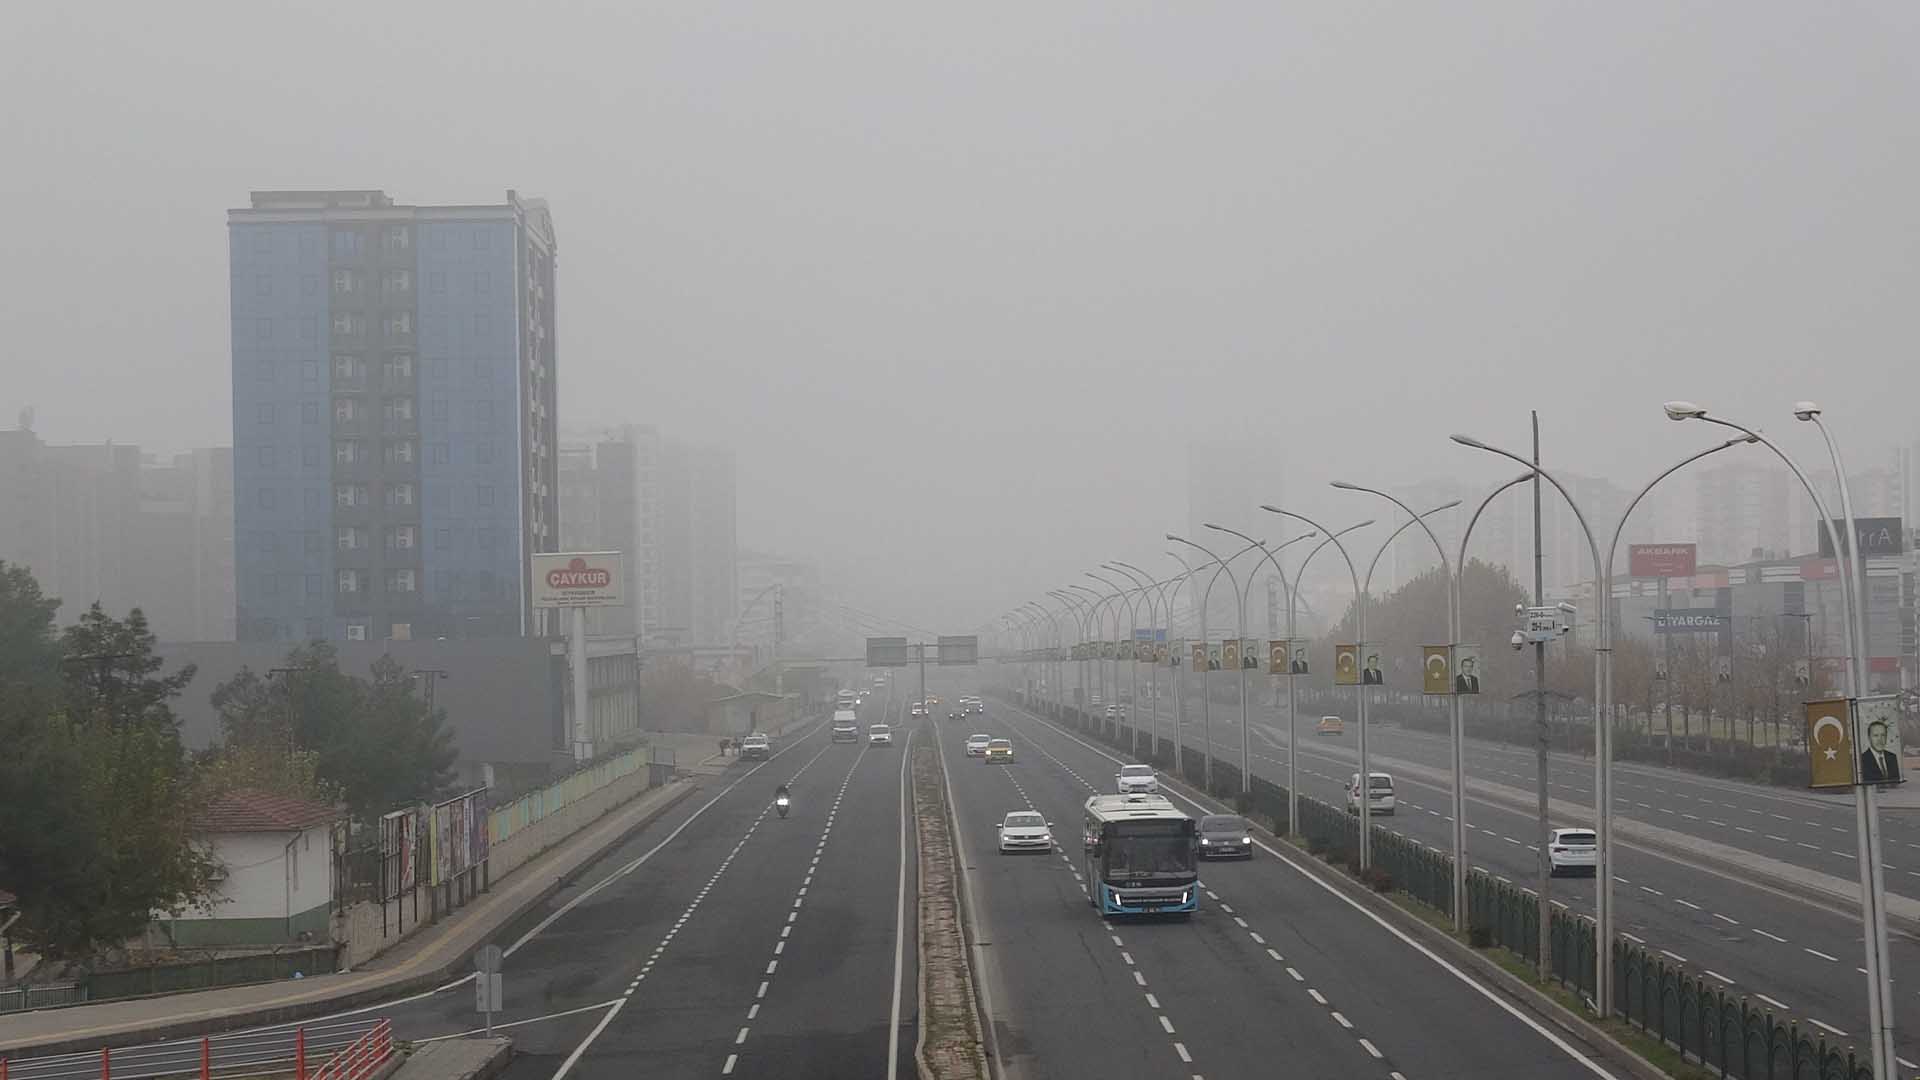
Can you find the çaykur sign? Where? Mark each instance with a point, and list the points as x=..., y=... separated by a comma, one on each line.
x=578, y=579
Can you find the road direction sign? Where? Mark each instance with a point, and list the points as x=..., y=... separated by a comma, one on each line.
x=487, y=960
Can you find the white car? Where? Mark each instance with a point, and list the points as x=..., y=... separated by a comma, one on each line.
x=1380, y=798
x=1572, y=851
x=879, y=735
x=1024, y=830
x=1137, y=779
x=977, y=745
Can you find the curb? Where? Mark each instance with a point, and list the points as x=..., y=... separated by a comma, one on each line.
x=1599, y=1043
x=164, y=1029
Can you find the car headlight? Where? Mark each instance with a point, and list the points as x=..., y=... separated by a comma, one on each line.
x=1204, y=840
x=1246, y=839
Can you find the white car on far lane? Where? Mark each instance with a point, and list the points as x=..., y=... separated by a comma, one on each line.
x=1024, y=830
x=1137, y=779
x=977, y=745
x=1572, y=851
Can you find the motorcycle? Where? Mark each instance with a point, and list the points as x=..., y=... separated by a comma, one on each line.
x=782, y=803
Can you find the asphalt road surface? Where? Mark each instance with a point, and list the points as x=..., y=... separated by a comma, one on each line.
x=1275, y=975
x=1797, y=958
x=744, y=945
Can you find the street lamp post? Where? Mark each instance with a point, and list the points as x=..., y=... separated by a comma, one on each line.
x=1873, y=897
x=1100, y=600
x=1080, y=614
x=1180, y=666
x=1145, y=584
x=1133, y=672
x=1360, y=697
x=1049, y=660
x=1246, y=761
x=1206, y=712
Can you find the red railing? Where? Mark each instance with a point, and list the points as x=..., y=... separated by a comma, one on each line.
x=342, y=1050
x=360, y=1058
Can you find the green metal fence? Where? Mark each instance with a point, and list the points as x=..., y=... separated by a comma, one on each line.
x=1725, y=1033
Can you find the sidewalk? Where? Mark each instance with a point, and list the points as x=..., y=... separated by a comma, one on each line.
x=426, y=960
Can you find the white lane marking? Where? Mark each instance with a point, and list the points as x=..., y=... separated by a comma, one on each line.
x=1688, y=903
x=1826, y=1027
x=1674, y=955
x=1139, y=979
x=1775, y=937
x=727, y=1069
x=1315, y=995
x=1635, y=940
x=1341, y=1020
x=517, y=1023
x=1372, y=1049
x=1725, y=919
x=742, y=1037
x=1719, y=976
x=574, y=1058
x=1152, y=1002
x=754, y=1012
x=1181, y=1049
x=899, y=920
x=1166, y=1023
x=1781, y=1005
x=1821, y=955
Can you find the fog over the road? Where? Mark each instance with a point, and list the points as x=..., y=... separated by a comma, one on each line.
x=966, y=286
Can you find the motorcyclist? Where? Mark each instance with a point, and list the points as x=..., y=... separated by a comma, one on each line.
x=782, y=799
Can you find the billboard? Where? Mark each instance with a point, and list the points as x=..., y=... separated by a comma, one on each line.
x=1371, y=673
x=1278, y=653
x=1690, y=621
x=1299, y=665
x=1661, y=560
x=1346, y=665
x=1230, y=654
x=1831, y=760
x=959, y=649
x=1250, y=654
x=569, y=579
x=1877, y=535
x=1436, y=676
x=888, y=652
x=1877, y=732
x=1199, y=657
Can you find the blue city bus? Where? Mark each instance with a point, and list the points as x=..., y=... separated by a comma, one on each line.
x=1142, y=856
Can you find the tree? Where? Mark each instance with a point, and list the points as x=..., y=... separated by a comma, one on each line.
x=372, y=743
x=1415, y=614
x=258, y=749
x=96, y=792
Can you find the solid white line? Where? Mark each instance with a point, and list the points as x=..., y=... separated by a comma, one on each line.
x=899, y=921
x=1512, y=1010
x=567, y=1065
x=518, y=1023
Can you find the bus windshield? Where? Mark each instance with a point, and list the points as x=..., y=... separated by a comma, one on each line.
x=1131, y=855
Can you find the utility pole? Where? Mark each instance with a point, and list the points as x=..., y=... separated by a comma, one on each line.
x=428, y=676
x=1541, y=733
x=282, y=675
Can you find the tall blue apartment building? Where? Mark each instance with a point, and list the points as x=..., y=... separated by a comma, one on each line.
x=394, y=455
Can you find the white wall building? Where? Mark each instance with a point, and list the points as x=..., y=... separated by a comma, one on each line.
x=277, y=884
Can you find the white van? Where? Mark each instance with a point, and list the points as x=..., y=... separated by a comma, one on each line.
x=1380, y=798
x=846, y=726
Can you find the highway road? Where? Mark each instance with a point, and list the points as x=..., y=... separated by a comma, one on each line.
x=1276, y=973
x=725, y=940
x=1798, y=958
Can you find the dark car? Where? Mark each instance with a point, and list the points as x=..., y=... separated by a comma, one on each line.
x=1224, y=836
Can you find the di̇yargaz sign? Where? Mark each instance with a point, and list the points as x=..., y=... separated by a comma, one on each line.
x=567, y=579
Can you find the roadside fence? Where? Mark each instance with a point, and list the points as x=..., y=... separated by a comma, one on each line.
x=339, y=1050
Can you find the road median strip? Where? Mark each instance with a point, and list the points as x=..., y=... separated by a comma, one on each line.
x=950, y=1045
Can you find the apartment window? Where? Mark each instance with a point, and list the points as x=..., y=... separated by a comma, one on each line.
x=403, y=537
x=263, y=413
x=313, y=584
x=345, y=410
x=439, y=407
x=356, y=631
x=400, y=581
x=437, y=453
x=483, y=453
x=396, y=282
x=346, y=452
x=266, y=457
x=348, y=366
x=263, y=284
x=399, y=494
x=263, y=329
x=310, y=454
x=397, y=408
x=437, y=282
x=398, y=367
x=262, y=242
x=309, y=372
x=484, y=495
x=399, y=323
x=346, y=242
x=345, y=283
x=396, y=238
x=350, y=539
x=482, y=281
x=349, y=323
x=399, y=453
x=309, y=412
x=350, y=495
x=347, y=581
x=442, y=540
x=265, y=501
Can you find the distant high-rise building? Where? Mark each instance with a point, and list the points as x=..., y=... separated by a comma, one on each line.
x=1743, y=510
x=185, y=581
x=1227, y=481
x=393, y=415
x=599, y=493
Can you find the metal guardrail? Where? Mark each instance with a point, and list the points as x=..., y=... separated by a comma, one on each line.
x=23, y=998
x=302, y=1050
x=1720, y=1031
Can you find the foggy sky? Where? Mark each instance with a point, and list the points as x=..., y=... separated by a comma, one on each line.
x=961, y=282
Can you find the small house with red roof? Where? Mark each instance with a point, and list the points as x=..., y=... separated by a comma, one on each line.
x=275, y=883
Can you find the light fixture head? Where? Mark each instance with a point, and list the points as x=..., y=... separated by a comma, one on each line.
x=1468, y=440
x=1683, y=410
x=1805, y=410
x=1344, y=486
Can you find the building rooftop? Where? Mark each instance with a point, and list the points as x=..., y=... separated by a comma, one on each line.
x=252, y=810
